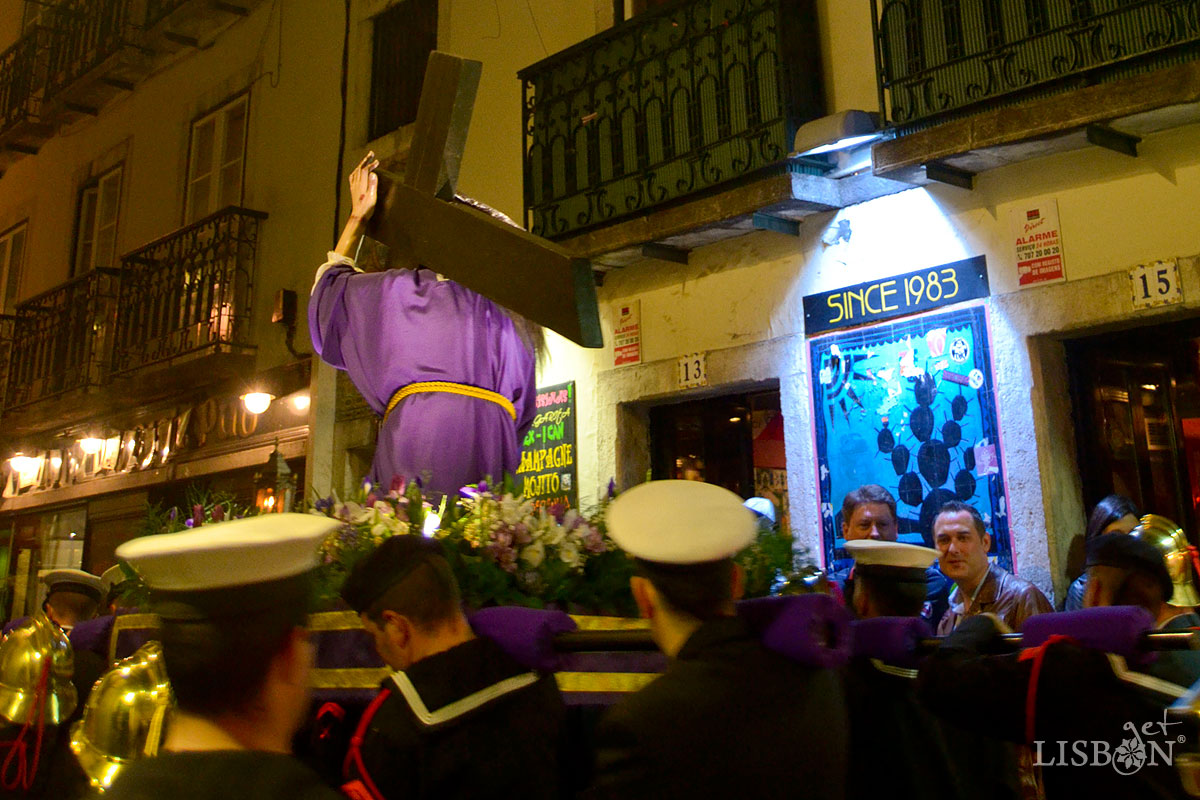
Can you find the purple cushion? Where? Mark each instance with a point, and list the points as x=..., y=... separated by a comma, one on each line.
x=526, y=634
x=1113, y=629
x=890, y=639
x=813, y=629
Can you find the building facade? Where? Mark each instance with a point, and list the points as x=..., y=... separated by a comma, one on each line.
x=169, y=185
x=1049, y=147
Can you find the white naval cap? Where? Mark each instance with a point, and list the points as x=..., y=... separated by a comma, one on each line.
x=72, y=580
x=893, y=557
x=680, y=522
x=112, y=576
x=226, y=555
x=761, y=506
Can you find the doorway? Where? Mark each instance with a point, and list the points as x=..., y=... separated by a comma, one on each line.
x=733, y=440
x=1136, y=396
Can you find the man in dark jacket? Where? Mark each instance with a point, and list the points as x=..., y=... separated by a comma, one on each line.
x=727, y=718
x=898, y=747
x=233, y=603
x=1096, y=727
x=459, y=717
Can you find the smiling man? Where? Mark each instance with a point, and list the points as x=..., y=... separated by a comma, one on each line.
x=962, y=543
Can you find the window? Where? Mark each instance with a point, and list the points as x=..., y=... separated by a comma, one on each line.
x=12, y=256
x=404, y=37
x=215, y=160
x=96, y=245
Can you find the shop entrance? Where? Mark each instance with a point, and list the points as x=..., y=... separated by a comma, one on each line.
x=734, y=440
x=1136, y=396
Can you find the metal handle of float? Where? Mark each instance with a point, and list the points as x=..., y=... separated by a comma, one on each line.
x=639, y=640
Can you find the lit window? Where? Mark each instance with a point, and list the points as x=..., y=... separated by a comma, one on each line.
x=216, y=159
x=99, y=202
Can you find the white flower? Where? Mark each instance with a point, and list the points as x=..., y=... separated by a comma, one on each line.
x=357, y=514
x=510, y=510
x=552, y=532
x=569, y=553
x=534, y=554
x=384, y=508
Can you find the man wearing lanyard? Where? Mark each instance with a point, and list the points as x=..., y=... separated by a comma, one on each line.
x=962, y=543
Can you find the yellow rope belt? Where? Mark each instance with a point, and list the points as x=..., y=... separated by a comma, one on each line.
x=448, y=387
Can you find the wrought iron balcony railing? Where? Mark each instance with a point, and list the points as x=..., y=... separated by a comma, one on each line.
x=23, y=76
x=60, y=339
x=687, y=96
x=936, y=59
x=89, y=33
x=188, y=291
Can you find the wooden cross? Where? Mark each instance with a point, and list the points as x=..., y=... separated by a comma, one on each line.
x=417, y=219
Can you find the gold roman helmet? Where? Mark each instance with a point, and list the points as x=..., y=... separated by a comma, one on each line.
x=35, y=648
x=1170, y=540
x=125, y=716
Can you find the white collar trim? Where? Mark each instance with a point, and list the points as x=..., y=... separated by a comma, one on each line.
x=1122, y=671
x=888, y=669
x=463, y=705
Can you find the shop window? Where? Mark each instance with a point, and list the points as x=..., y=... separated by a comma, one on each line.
x=216, y=160
x=404, y=36
x=12, y=259
x=96, y=222
x=735, y=441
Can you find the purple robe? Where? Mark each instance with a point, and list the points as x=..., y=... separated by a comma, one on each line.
x=390, y=329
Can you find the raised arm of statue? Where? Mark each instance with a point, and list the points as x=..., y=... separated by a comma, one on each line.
x=364, y=191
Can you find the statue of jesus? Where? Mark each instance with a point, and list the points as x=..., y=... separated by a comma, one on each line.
x=450, y=372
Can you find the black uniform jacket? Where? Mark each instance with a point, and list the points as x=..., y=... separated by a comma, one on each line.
x=1090, y=710
x=469, y=722
x=219, y=775
x=727, y=719
x=898, y=748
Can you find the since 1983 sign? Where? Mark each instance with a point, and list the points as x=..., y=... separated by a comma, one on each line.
x=897, y=296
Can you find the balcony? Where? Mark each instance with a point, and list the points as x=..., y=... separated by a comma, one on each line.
x=185, y=301
x=94, y=57
x=674, y=128
x=971, y=85
x=59, y=342
x=171, y=25
x=22, y=71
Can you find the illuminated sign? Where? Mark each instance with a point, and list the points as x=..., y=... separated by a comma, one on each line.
x=897, y=296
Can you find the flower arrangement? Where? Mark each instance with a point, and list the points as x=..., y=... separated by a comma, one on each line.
x=502, y=549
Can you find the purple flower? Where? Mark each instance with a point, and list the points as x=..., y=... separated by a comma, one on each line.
x=593, y=542
x=323, y=504
x=189, y=522
x=558, y=511
x=469, y=492
x=612, y=488
x=483, y=485
x=173, y=514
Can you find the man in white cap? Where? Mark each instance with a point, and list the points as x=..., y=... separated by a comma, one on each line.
x=233, y=599
x=728, y=718
x=72, y=596
x=899, y=748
